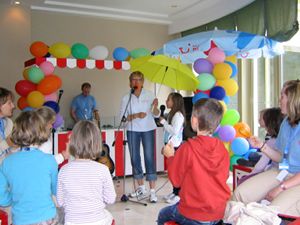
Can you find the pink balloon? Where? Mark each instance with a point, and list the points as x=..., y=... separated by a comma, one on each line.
x=216, y=55
x=47, y=67
x=51, y=97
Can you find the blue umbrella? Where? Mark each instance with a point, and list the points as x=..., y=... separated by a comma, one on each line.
x=242, y=44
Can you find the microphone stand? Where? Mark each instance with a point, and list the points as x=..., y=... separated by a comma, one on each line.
x=124, y=197
x=54, y=130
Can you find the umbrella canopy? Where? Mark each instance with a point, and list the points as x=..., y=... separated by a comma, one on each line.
x=165, y=70
x=244, y=45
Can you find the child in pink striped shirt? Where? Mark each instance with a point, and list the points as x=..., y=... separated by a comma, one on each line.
x=84, y=185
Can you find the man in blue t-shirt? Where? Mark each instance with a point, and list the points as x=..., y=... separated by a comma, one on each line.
x=83, y=106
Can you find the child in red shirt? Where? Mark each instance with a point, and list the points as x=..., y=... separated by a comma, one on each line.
x=201, y=168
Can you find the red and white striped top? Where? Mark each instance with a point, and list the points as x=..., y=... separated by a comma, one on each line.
x=84, y=187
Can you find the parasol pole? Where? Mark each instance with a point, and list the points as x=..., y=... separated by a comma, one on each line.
x=156, y=94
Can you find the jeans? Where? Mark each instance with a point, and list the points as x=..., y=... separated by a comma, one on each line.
x=171, y=213
x=134, y=140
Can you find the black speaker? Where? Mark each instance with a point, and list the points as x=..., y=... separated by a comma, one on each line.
x=188, y=106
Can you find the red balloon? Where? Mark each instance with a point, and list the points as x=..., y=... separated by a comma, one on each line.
x=49, y=84
x=38, y=49
x=24, y=87
x=22, y=103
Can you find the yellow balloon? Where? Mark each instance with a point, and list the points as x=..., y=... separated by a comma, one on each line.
x=232, y=59
x=222, y=71
x=224, y=106
x=35, y=99
x=227, y=145
x=230, y=85
x=60, y=50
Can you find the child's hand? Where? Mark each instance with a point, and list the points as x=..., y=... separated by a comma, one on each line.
x=255, y=142
x=168, y=150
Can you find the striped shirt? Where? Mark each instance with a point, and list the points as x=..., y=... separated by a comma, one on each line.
x=84, y=188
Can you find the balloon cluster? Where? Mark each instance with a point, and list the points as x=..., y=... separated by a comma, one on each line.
x=39, y=88
x=81, y=51
x=216, y=80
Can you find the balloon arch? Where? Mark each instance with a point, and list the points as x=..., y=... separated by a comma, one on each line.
x=215, y=72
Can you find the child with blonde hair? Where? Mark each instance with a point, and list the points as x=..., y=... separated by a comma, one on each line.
x=28, y=177
x=84, y=185
x=49, y=116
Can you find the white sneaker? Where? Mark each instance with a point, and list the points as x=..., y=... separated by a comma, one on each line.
x=166, y=197
x=153, y=198
x=139, y=193
x=173, y=200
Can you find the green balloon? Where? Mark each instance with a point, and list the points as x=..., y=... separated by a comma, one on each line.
x=139, y=52
x=80, y=51
x=35, y=75
x=233, y=161
x=206, y=81
x=230, y=117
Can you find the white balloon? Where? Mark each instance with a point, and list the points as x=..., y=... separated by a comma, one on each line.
x=99, y=52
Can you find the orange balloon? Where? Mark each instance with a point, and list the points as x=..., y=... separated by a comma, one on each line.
x=242, y=130
x=49, y=84
x=25, y=73
x=38, y=49
x=22, y=103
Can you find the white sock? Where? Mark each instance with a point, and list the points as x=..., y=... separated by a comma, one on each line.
x=143, y=187
x=152, y=190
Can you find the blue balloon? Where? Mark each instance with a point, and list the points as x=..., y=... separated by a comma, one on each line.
x=226, y=99
x=239, y=146
x=233, y=68
x=120, y=54
x=53, y=105
x=199, y=96
x=217, y=92
x=28, y=108
x=251, y=151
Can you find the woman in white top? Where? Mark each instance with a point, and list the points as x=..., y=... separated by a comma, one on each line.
x=173, y=129
x=139, y=108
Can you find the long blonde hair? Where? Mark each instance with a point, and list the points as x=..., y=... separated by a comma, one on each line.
x=292, y=91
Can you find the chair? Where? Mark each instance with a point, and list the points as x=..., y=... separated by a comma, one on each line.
x=3, y=218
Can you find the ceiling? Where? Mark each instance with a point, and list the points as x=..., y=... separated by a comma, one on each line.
x=179, y=15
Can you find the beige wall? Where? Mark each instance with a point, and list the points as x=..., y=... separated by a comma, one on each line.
x=15, y=39
x=108, y=86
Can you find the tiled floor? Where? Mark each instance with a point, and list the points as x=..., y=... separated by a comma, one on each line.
x=130, y=213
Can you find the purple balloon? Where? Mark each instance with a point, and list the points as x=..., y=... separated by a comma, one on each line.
x=226, y=133
x=59, y=120
x=203, y=66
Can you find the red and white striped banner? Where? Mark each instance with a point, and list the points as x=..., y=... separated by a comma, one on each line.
x=81, y=63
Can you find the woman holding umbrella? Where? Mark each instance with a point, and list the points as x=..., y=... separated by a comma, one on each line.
x=138, y=108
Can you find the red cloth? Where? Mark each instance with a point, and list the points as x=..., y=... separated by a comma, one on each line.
x=201, y=168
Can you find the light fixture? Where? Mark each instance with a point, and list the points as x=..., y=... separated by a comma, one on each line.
x=13, y=2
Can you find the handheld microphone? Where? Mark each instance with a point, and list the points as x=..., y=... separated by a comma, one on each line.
x=132, y=89
x=162, y=110
x=59, y=95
